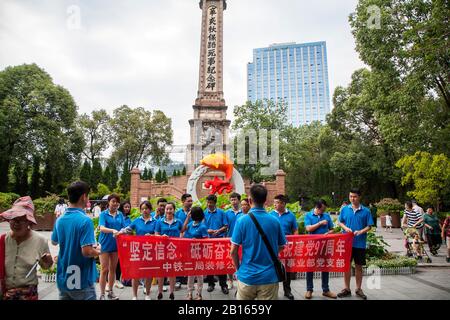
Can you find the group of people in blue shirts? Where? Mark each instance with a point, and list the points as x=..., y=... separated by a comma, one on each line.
x=256, y=276
x=187, y=222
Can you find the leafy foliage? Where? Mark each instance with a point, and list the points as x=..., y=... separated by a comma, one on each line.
x=389, y=205
x=429, y=174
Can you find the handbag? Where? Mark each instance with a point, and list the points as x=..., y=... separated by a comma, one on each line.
x=279, y=267
x=2, y=265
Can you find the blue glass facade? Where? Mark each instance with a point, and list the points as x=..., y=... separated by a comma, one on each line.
x=294, y=73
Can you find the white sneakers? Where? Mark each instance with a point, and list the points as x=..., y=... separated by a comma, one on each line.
x=148, y=298
x=118, y=284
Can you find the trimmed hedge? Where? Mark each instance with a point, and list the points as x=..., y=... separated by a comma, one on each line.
x=7, y=200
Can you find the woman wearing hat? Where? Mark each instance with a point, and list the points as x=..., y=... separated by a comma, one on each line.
x=21, y=250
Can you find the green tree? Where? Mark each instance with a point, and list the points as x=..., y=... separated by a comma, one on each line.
x=150, y=174
x=307, y=154
x=102, y=190
x=164, y=177
x=85, y=173
x=114, y=176
x=261, y=115
x=35, y=184
x=37, y=118
x=184, y=171
x=106, y=176
x=21, y=178
x=408, y=87
x=357, y=119
x=158, y=176
x=96, y=133
x=96, y=174
x=47, y=180
x=429, y=176
x=410, y=44
x=125, y=178
x=140, y=135
x=145, y=174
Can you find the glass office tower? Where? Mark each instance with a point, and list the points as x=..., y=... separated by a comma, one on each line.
x=296, y=74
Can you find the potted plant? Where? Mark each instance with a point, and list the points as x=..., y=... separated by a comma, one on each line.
x=7, y=200
x=392, y=207
x=44, y=212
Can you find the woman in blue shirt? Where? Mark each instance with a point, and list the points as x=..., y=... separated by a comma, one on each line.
x=195, y=230
x=168, y=226
x=111, y=221
x=142, y=226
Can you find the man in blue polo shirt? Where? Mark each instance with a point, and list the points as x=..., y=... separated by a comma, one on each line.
x=232, y=215
x=257, y=277
x=289, y=226
x=216, y=222
x=74, y=232
x=357, y=219
x=160, y=209
x=317, y=221
x=182, y=213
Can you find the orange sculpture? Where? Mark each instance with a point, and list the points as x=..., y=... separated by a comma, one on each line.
x=219, y=161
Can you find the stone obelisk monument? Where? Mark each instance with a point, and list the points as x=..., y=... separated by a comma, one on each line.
x=209, y=128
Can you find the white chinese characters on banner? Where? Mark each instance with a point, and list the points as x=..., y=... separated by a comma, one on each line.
x=314, y=254
x=216, y=252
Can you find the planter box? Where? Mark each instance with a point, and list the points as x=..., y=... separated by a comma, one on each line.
x=45, y=222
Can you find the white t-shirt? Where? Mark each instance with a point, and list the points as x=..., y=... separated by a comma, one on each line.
x=60, y=209
x=97, y=211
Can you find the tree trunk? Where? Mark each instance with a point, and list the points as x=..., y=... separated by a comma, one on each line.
x=4, y=170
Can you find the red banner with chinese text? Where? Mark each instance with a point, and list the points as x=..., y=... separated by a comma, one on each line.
x=157, y=256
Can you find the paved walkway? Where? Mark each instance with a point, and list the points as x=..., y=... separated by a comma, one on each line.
x=431, y=282
x=428, y=284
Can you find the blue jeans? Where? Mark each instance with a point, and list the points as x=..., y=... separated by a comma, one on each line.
x=310, y=282
x=83, y=294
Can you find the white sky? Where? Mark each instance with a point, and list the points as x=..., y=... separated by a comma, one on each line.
x=145, y=53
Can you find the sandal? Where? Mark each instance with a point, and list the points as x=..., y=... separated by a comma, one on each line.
x=361, y=294
x=344, y=293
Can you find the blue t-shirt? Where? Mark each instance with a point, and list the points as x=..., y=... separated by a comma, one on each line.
x=127, y=220
x=143, y=227
x=311, y=219
x=107, y=240
x=287, y=220
x=171, y=230
x=231, y=219
x=257, y=266
x=153, y=214
x=196, y=230
x=181, y=215
x=73, y=231
x=215, y=220
x=356, y=221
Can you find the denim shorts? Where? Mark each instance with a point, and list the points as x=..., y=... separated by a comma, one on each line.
x=83, y=294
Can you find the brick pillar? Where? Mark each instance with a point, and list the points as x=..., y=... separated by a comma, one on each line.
x=280, y=181
x=134, y=187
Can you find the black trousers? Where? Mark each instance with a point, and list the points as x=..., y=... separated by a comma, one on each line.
x=287, y=283
x=222, y=280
